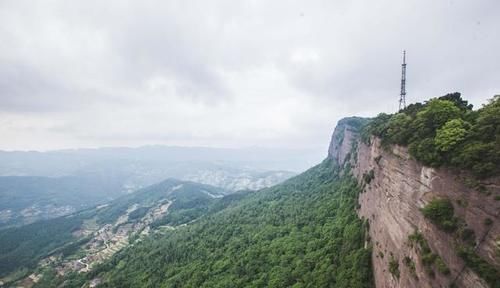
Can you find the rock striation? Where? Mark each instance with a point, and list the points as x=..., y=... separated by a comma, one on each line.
x=395, y=189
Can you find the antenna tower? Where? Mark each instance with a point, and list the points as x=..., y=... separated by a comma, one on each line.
x=402, y=96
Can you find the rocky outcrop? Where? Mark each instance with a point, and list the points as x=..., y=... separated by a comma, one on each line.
x=344, y=137
x=395, y=188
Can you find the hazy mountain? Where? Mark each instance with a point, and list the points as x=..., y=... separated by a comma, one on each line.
x=26, y=199
x=232, y=169
x=70, y=162
x=42, y=185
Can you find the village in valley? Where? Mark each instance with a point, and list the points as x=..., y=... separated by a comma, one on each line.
x=100, y=243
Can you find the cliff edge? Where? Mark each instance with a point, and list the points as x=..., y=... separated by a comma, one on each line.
x=410, y=250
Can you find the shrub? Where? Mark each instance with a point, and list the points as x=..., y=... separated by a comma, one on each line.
x=462, y=202
x=488, y=221
x=441, y=266
x=416, y=238
x=484, y=269
x=394, y=267
x=441, y=213
x=429, y=259
x=468, y=236
x=368, y=177
x=411, y=265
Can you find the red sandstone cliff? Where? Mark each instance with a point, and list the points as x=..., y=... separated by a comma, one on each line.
x=392, y=201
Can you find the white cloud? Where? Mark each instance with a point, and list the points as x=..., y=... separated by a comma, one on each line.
x=229, y=73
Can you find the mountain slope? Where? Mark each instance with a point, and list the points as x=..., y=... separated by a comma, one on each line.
x=302, y=233
x=91, y=231
x=26, y=199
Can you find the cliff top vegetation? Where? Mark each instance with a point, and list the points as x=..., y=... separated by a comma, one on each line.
x=445, y=131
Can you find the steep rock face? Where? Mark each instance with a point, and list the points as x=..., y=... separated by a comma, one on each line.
x=392, y=200
x=343, y=137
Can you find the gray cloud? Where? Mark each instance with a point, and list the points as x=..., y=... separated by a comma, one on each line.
x=229, y=73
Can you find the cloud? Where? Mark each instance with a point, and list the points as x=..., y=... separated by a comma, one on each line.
x=229, y=73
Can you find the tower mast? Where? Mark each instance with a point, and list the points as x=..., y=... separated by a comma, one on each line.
x=402, y=96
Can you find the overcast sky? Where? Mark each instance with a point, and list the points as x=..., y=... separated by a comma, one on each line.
x=229, y=73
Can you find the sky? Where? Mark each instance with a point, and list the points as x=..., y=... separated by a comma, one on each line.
x=232, y=74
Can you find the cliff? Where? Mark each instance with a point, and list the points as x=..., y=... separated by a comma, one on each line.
x=395, y=189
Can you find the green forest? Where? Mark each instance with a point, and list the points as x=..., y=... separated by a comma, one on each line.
x=445, y=131
x=22, y=247
x=302, y=233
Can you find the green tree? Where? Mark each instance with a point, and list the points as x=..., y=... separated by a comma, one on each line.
x=435, y=114
x=398, y=129
x=487, y=126
x=481, y=158
x=451, y=134
x=425, y=150
x=481, y=150
x=456, y=98
x=445, y=131
x=441, y=212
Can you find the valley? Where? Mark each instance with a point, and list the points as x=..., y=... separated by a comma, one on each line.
x=41, y=186
x=105, y=230
x=100, y=243
x=371, y=214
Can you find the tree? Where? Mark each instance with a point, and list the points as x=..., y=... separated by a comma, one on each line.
x=425, y=150
x=481, y=158
x=435, y=114
x=451, y=134
x=398, y=131
x=441, y=212
x=456, y=98
x=487, y=126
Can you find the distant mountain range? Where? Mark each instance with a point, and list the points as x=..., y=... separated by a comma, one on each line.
x=43, y=185
x=158, y=158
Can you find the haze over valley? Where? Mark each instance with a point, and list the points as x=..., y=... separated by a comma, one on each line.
x=43, y=185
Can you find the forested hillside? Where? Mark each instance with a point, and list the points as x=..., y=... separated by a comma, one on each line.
x=21, y=248
x=303, y=233
x=26, y=199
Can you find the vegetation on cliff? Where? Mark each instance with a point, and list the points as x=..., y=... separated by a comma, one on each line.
x=445, y=131
x=430, y=260
x=484, y=269
x=441, y=213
